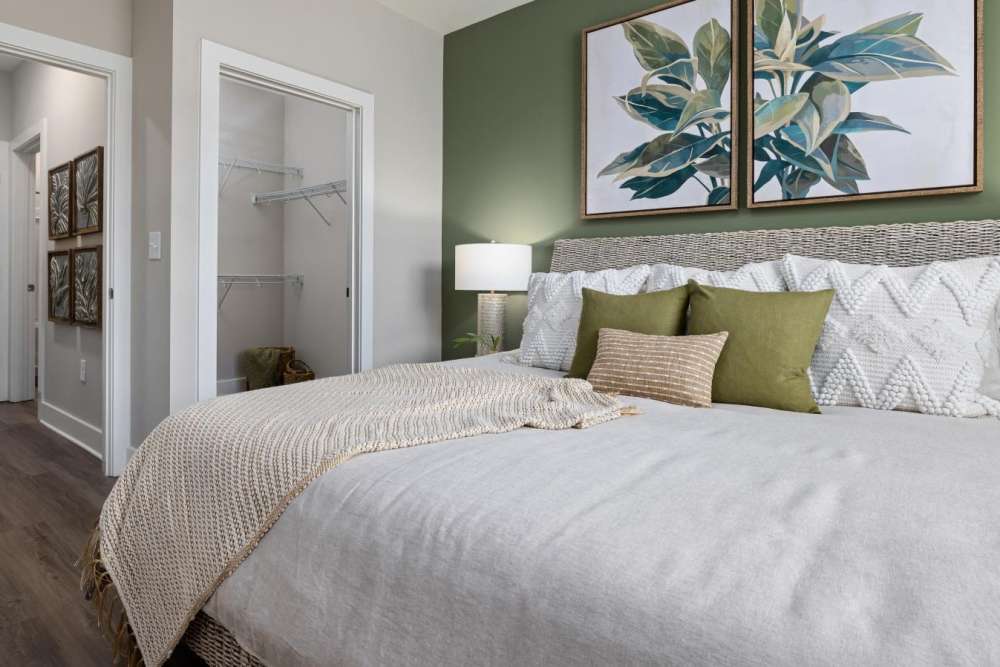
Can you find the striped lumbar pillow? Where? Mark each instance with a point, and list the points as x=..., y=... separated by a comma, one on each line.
x=672, y=369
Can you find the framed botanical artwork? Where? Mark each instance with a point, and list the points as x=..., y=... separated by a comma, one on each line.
x=87, y=280
x=659, y=107
x=60, y=286
x=88, y=192
x=61, y=201
x=864, y=100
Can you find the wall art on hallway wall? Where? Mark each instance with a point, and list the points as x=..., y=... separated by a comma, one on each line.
x=60, y=286
x=659, y=110
x=60, y=201
x=87, y=286
x=860, y=100
x=88, y=192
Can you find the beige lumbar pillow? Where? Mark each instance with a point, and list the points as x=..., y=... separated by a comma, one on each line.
x=672, y=369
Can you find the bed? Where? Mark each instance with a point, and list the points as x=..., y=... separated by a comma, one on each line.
x=737, y=536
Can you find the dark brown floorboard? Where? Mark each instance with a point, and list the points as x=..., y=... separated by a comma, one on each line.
x=51, y=493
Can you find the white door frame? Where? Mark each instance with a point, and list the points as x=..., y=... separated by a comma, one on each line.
x=116, y=70
x=6, y=276
x=217, y=60
x=21, y=209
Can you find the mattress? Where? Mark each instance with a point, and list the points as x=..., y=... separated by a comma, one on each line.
x=730, y=536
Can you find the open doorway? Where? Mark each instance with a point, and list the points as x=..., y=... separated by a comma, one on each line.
x=65, y=239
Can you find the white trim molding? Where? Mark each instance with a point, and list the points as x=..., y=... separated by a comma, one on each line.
x=82, y=434
x=116, y=70
x=195, y=379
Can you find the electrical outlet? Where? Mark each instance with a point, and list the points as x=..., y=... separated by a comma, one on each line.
x=83, y=371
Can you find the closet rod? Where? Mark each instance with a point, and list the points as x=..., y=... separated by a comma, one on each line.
x=259, y=280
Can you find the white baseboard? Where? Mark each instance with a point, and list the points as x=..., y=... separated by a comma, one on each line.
x=84, y=435
x=230, y=386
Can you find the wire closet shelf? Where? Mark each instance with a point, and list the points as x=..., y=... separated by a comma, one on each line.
x=227, y=281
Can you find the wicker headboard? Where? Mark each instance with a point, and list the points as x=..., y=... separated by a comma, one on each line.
x=895, y=245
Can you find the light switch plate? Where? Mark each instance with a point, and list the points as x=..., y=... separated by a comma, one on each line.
x=155, y=247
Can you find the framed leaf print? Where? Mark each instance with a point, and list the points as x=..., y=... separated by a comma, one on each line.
x=60, y=284
x=659, y=104
x=61, y=202
x=87, y=280
x=861, y=100
x=88, y=192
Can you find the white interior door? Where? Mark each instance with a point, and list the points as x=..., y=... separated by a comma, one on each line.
x=5, y=273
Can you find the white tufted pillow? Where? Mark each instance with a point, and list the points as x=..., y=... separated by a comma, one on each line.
x=554, y=304
x=763, y=277
x=920, y=339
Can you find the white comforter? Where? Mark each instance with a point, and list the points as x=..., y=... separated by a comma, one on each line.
x=731, y=536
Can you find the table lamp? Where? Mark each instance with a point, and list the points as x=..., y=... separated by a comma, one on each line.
x=491, y=267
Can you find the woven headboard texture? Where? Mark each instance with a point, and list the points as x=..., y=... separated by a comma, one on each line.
x=895, y=245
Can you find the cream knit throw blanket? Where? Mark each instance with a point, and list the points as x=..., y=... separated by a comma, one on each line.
x=209, y=482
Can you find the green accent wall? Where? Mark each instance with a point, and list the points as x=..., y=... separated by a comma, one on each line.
x=512, y=151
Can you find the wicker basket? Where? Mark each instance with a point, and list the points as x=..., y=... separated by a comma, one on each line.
x=297, y=370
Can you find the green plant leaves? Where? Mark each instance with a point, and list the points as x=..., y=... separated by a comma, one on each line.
x=655, y=47
x=817, y=162
x=713, y=48
x=704, y=106
x=777, y=113
x=846, y=159
x=624, y=162
x=863, y=58
x=769, y=15
x=716, y=166
x=720, y=196
x=866, y=122
x=672, y=152
x=772, y=169
x=659, y=106
x=798, y=184
x=656, y=188
x=832, y=102
x=905, y=24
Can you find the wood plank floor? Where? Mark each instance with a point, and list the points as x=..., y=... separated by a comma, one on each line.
x=51, y=493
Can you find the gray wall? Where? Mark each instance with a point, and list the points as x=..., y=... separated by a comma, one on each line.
x=75, y=106
x=103, y=24
x=6, y=108
x=151, y=68
x=362, y=44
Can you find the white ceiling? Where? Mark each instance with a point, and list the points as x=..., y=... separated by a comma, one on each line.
x=446, y=16
x=8, y=63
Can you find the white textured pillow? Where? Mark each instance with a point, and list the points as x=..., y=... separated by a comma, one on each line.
x=763, y=277
x=920, y=339
x=554, y=304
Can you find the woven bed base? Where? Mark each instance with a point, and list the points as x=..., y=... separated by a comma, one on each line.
x=214, y=644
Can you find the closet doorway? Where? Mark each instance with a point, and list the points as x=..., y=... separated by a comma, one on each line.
x=285, y=228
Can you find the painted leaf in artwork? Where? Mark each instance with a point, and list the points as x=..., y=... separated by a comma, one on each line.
x=832, y=101
x=863, y=58
x=720, y=196
x=679, y=73
x=655, y=46
x=777, y=113
x=59, y=285
x=704, y=106
x=865, y=122
x=88, y=193
x=624, y=162
x=659, y=106
x=847, y=186
x=772, y=169
x=86, y=292
x=799, y=183
x=906, y=23
x=816, y=162
x=846, y=159
x=763, y=64
x=713, y=48
x=59, y=203
x=645, y=187
x=769, y=15
x=716, y=166
x=672, y=152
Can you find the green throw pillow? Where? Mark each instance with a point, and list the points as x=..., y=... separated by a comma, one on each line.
x=655, y=314
x=772, y=337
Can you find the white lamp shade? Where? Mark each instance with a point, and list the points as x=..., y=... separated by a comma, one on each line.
x=484, y=267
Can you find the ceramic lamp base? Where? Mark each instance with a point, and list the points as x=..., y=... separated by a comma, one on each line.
x=489, y=321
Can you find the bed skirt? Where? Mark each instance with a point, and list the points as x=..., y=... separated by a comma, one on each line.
x=214, y=644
